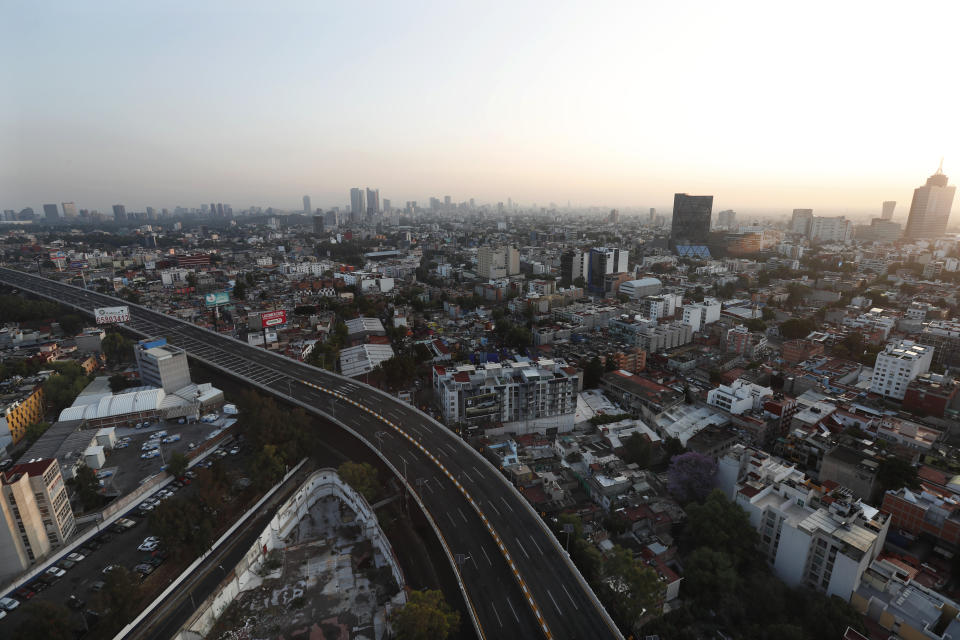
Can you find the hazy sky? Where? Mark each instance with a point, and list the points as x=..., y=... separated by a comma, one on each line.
x=766, y=105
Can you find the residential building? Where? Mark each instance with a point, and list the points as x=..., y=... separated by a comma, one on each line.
x=119, y=213
x=932, y=394
x=572, y=266
x=930, y=208
x=944, y=337
x=800, y=220
x=795, y=351
x=36, y=513
x=811, y=537
x=650, y=335
x=494, y=263
x=306, y=205
x=602, y=262
x=826, y=230
x=22, y=407
x=727, y=219
x=897, y=365
x=373, y=201
x=691, y=220
x=162, y=365
x=699, y=314
x=638, y=394
x=739, y=397
x=69, y=210
x=358, y=204
x=521, y=396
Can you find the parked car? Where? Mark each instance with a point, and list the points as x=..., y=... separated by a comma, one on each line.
x=76, y=557
x=55, y=572
x=174, y=438
x=110, y=567
x=121, y=445
x=148, y=546
x=67, y=564
x=75, y=603
x=147, y=455
x=98, y=585
x=9, y=604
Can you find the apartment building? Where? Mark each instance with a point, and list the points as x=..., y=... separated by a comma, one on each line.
x=660, y=306
x=699, y=314
x=809, y=535
x=944, y=337
x=897, y=365
x=36, y=513
x=739, y=397
x=20, y=408
x=521, y=396
x=638, y=394
x=649, y=335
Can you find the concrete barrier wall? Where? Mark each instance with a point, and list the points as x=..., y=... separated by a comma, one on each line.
x=320, y=484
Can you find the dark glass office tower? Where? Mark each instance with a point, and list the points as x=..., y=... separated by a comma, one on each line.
x=691, y=219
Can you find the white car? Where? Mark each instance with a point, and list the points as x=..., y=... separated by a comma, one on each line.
x=55, y=572
x=148, y=446
x=73, y=557
x=151, y=539
x=148, y=546
x=9, y=604
x=121, y=445
x=158, y=434
x=147, y=455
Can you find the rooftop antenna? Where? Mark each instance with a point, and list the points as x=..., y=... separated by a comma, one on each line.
x=940, y=168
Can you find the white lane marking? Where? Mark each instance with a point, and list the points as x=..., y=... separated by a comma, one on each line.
x=461, y=514
x=506, y=503
x=451, y=519
x=536, y=545
x=450, y=447
x=402, y=458
x=554, y=601
x=495, y=509
x=472, y=559
x=492, y=606
x=569, y=596
x=479, y=473
x=522, y=548
x=514, y=611
x=467, y=476
x=427, y=485
x=488, y=558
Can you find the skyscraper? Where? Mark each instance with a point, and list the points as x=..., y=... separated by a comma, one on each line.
x=800, y=221
x=119, y=212
x=306, y=204
x=358, y=204
x=691, y=219
x=888, y=207
x=69, y=210
x=930, y=208
x=373, y=201
x=50, y=212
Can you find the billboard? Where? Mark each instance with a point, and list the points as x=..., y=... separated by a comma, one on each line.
x=79, y=264
x=217, y=298
x=272, y=318
x=107, y=315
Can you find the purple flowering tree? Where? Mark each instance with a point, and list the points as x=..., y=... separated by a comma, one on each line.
x=690, y=476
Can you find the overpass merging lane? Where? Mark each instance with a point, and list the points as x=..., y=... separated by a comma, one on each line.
x=518, y=580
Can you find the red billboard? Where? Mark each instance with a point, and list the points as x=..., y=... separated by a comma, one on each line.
x=273, y=318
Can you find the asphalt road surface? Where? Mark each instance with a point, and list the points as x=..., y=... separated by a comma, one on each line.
x=517, y=577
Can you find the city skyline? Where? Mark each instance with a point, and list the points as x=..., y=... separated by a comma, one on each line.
x=589, y=106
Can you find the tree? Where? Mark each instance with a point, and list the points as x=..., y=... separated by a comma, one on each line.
x=425, y=616
x=119, y=382
x=593, y=373
x=709, y=575
x=117, y=348
x=70, y=323
x=636, y=450
x=120, y=597
x=268, y=466
x=239, y=290
x=177, y=465
x=632, y=587
x=797, y=328
x=721, y=525
x=362, y=476
x=35, y=430
x=690, y=476
x=894, y=473
x=45, y=620
x=87, y=487
x=673, y=447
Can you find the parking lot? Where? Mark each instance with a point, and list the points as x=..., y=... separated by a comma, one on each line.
x=76, y=581
x=124, y=468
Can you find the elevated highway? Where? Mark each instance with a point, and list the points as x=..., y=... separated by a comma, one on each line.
x=516, y=578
